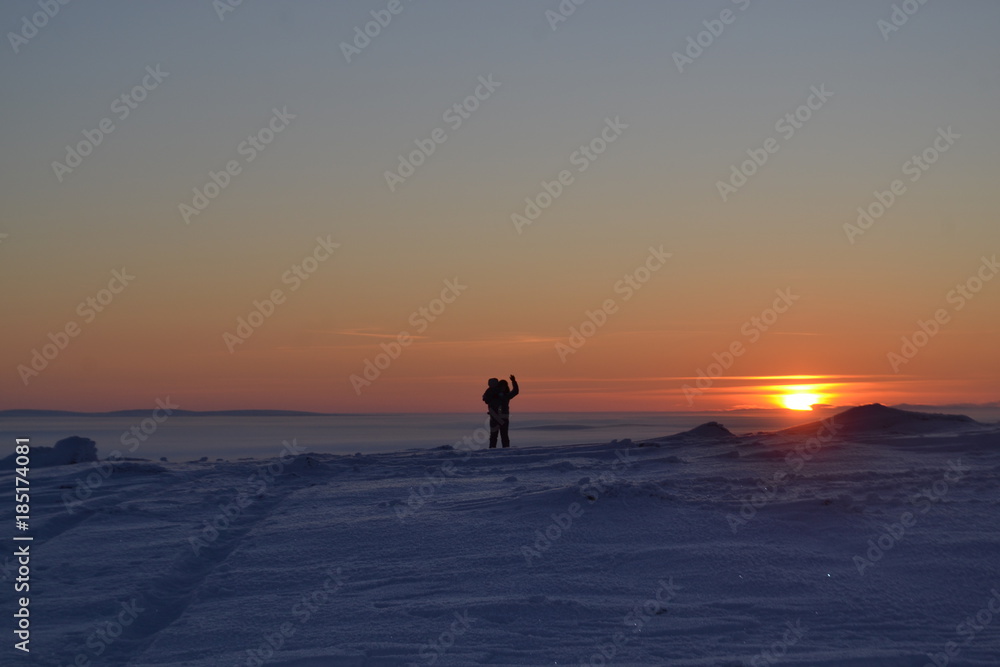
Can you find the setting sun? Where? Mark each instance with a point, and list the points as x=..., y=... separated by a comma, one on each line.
x=803, y=396
x=800, y=401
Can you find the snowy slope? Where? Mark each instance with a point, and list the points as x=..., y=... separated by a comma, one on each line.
x=703, y=549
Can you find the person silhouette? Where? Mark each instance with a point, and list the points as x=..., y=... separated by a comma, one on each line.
x=497, y=398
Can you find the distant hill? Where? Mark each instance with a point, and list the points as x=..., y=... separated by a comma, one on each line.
x=877, y=418
x=992, y=405
x=144, y=412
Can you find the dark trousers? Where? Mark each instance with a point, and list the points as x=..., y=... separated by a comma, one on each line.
x=499, y=425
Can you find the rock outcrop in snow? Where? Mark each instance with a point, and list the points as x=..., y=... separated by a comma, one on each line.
x=74, y=449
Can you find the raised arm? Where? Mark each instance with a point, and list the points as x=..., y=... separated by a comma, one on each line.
x=513, y=383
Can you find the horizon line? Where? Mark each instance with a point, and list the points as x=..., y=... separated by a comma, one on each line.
x=253, y=412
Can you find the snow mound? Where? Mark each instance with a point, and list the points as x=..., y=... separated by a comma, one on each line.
x=74, y=449
x=707, y=432
x=877, y=418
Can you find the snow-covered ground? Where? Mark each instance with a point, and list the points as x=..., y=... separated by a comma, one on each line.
x=872, y=539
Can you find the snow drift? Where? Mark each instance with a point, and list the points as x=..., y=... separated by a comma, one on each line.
x=67, y=451
x=823, y=552
x=877, y=418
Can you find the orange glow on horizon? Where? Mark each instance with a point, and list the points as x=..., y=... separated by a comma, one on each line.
x=802, y=397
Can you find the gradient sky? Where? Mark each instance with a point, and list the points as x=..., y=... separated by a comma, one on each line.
x=656, y=185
